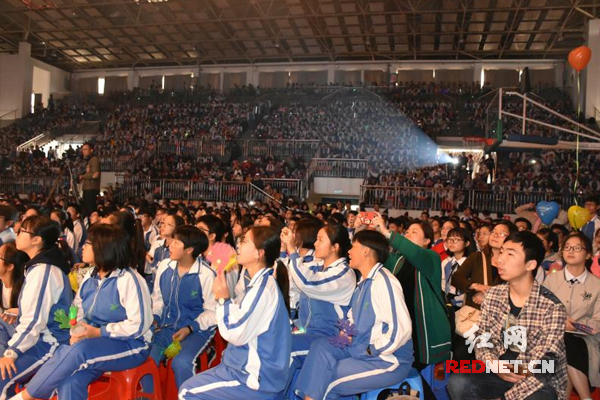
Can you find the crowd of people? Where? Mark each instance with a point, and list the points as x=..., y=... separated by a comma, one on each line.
x=309, y=299
x=35, y=162
x=392, y=133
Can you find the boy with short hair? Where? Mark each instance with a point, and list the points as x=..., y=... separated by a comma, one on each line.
x=592, y=204
x=183, y=302
x=146, y=215
x=520, y=302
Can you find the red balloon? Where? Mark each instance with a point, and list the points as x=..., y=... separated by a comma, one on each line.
x=580, y=57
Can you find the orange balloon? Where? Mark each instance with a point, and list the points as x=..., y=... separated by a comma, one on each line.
x=580, y=57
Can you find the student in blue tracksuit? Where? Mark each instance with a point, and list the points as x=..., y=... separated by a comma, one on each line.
x=159, y=250
x=183, y=303
x=215, y=229
x=380, y=352
x=12, y=276
x=146, y=216
x=255, y=364
x=45, y=290
x=325, y=288
x=114, y=311
x=304, y=238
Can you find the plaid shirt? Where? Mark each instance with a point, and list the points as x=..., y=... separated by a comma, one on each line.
x=544, y=317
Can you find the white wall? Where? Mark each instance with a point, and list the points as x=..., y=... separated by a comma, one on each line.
x=16, y=80
x=16, y=75
x=41, y=83
x=337, y=186
x=60, y=80
x=253, y=71
x=591, y=86
x=10, y=86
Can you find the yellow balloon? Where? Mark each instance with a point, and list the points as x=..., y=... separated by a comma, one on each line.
x=578, y=216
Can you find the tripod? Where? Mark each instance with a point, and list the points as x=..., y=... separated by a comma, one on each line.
x=73, y=193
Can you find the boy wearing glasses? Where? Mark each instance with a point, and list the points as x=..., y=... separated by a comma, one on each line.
x=508, y=308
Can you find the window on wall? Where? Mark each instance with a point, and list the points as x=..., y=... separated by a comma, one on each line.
x=101, y=84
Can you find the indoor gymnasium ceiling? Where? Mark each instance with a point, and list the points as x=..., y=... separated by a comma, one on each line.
x=84, y=34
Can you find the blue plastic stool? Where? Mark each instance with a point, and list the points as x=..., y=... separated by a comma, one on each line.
x=292, y=396
x=437, y=386
x=413, y=379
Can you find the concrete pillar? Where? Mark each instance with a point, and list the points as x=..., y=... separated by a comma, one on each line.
x=591, y=87
x=362, y=76
x=221, y=80
x=477, y=73
x=252, y=76
x=330, y=74
x=133, y=79
x=559, y=74
x=16, y=81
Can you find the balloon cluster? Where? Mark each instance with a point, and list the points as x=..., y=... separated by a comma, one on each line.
x=548, y=211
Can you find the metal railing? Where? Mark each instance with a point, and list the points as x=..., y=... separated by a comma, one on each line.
x=195, y=148
x=33, y=184
x=7, y=117
x=77, y=128
x=220, y=191
x=39, y=140
x=437, y=199
x=338, y=168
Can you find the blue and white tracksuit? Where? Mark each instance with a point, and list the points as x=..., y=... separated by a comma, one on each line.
x=380, y=355
x=255, y=364
x=37, y=336
x=120, y=306
x=8, y=235
x=150, y=236
x=308, y=259
x=80, y=232
x=179, y=302
x=159, y=251
x=325, y=295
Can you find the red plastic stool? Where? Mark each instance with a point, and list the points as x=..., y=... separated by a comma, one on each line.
x=167, y=381
x=219, y=345
x=125, y=385
x=595, y=395
x=167, y=377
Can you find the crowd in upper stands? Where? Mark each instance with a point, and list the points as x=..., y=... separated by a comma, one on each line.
x=392, y=130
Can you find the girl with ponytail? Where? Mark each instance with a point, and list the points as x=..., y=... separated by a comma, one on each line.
x=256, y=325
x=325, y=282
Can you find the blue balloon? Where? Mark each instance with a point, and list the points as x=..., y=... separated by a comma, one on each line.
x=548, y=211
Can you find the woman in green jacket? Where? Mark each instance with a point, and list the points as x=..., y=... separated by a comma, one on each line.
x=419, y=271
